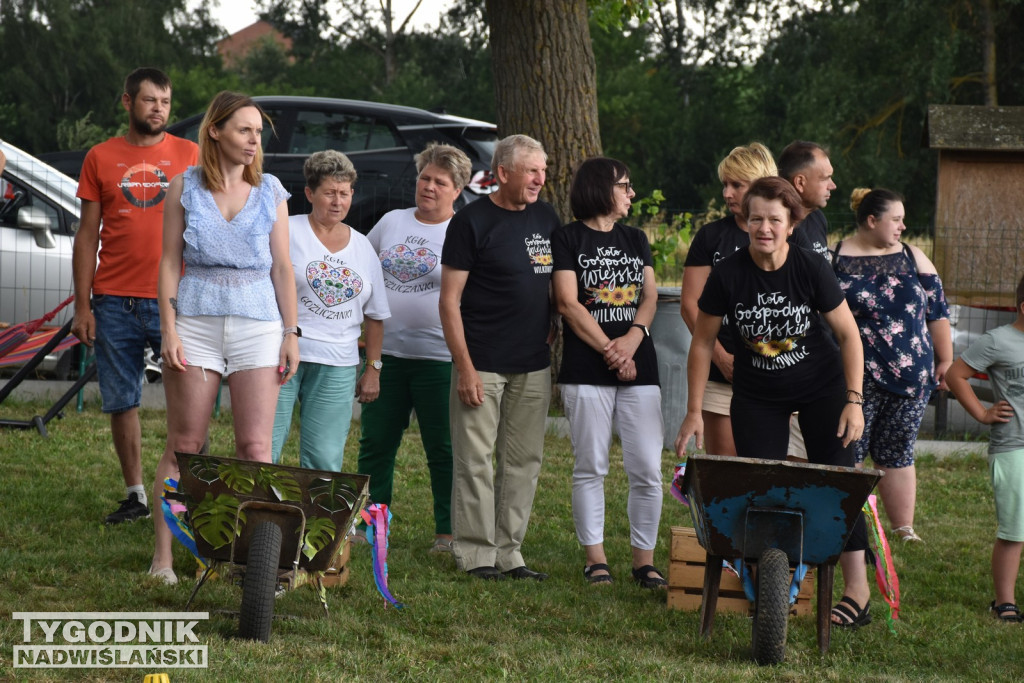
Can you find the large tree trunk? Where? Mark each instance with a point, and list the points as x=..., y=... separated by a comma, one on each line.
x=545, y=83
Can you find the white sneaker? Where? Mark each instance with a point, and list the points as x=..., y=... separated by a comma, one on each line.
x=166, y=575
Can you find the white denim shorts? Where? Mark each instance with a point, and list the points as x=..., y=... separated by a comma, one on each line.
x=230, y=343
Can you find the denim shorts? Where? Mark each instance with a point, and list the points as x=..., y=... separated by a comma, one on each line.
x=230, y=343
x=125, y=325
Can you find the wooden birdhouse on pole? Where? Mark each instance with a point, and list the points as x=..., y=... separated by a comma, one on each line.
x=979, y=212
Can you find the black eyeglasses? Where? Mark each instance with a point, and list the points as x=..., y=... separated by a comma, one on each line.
x=625, y=185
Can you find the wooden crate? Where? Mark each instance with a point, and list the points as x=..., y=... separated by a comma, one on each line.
x=686, y=580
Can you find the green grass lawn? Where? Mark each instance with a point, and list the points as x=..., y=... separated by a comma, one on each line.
x=56, y=555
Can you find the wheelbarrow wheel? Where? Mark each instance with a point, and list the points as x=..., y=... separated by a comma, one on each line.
x=260, y=583
x=772, y=616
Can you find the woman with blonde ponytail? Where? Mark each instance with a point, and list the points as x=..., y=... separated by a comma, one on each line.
x=897, y=300
x=715, y=241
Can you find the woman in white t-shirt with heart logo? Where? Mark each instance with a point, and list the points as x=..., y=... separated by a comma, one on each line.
x=340, y=291
x=417, y=364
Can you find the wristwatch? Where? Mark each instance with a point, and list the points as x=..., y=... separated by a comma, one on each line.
x=294, y=329
x=643, y=328
x=375, y=364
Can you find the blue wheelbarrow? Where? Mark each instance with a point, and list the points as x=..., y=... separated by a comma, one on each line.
x=780, y=515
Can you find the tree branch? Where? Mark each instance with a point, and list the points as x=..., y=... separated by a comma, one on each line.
x=401, y=28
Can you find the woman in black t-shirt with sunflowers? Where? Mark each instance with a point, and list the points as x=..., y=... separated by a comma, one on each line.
x=604, y=288
x=776, y=296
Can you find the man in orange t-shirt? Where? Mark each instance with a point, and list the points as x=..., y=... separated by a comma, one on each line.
x=123, y=183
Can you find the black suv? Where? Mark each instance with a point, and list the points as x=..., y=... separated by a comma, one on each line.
x=380, y=139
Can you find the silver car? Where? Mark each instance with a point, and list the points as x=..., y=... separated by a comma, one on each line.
x=39, y=215
x=38, y=218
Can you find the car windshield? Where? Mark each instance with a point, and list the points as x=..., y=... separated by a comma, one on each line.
x=483, y=141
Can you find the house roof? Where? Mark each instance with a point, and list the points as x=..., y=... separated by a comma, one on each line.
x=237, y=45
x=969, y=127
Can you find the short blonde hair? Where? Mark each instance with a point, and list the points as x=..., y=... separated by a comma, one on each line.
x=509, y=149
x=328, y=164
x=747, y=163
x=449, y=159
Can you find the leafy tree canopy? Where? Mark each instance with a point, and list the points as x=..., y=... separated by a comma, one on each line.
x=679, y=90
x=65, y=60
x=680, y=82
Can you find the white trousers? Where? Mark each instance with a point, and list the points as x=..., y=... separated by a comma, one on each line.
x=635, y=413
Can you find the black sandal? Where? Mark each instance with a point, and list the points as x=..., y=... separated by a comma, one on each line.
x=591, y=577
x=640, y=575
x=1006, y=612
x=850, y=614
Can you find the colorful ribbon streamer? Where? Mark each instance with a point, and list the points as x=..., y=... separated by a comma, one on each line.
x=794, y=587
x=181, y=531
x=677, y=484
x=747, y=579
x=885, y=571
x=750, y=590
x=378, y=522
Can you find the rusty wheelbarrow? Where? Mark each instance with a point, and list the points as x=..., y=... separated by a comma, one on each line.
x=269, y=528
x=780, y=515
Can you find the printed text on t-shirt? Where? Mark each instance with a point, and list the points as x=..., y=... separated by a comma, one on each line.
x=539, y=250
x=772, y=329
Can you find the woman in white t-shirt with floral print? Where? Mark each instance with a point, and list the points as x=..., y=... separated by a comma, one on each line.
x=340, y=291
x=417, y=365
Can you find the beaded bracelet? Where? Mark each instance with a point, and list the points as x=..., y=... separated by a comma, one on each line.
x=856, y=403
x=859, y=395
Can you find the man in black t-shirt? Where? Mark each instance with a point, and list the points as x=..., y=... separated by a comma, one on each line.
x=807, y=167
x=496, y=315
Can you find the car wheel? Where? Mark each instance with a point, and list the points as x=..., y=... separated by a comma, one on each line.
x=153, y=372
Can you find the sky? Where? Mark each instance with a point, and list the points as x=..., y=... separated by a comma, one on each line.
x=237, y=14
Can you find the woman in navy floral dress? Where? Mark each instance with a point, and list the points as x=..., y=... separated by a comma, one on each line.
x=896, y=297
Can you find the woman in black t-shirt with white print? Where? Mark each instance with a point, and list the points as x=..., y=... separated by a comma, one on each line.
x=604, y=288
x=712, y=243
x=776, y=296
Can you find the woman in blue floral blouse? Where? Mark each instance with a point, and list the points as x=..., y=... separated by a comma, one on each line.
x=896, y=297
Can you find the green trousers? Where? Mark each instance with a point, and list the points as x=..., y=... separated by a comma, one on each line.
x=406, y=385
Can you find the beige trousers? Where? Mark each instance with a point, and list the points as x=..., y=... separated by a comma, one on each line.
x=492, y=496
